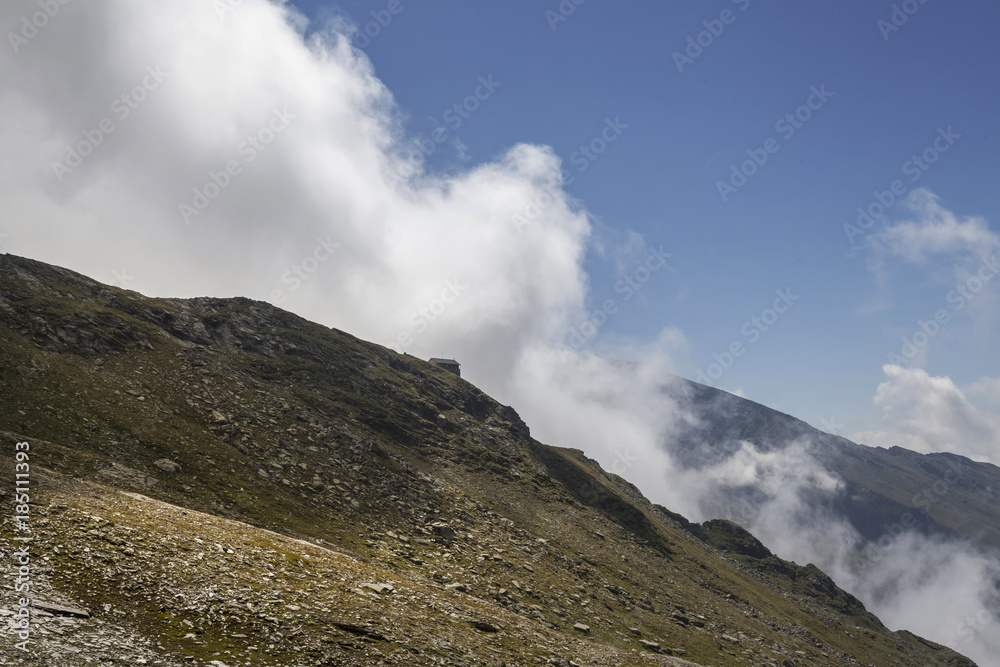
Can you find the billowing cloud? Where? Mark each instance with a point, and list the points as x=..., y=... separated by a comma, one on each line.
x=932, y=414
x=180, y=152
x=934, y=231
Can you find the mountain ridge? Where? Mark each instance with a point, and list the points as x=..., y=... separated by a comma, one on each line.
x=940, y=494
x=456, y=537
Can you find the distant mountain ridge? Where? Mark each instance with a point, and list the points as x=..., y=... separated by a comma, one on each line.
x=937, y=494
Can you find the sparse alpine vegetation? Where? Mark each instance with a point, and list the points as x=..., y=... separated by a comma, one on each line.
x=219, y=482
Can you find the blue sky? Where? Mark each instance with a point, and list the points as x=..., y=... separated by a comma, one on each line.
x=892, y=90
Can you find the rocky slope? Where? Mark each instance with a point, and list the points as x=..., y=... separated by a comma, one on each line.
x=219, y=482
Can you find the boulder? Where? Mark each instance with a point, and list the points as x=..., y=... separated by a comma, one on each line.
x=443, y=531
x=378, y=588
x=484, y=626
x=168, y=466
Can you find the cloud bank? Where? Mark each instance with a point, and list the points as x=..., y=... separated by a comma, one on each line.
x=181, y=151
x=932, y=414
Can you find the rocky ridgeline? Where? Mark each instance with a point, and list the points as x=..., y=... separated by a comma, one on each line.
x=218, y=482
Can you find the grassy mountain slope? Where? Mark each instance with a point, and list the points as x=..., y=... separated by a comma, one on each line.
x=219, y=480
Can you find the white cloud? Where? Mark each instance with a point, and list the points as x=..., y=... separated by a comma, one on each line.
x=332, y=175
x=931, y=414
x=950, y=250
x=935, y=231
